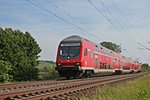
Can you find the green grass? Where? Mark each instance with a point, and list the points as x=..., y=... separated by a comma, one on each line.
x=138, y=89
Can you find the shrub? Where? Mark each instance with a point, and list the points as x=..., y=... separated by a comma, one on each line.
x=47, y=72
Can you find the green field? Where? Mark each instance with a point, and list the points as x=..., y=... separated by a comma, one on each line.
x=45, y=64
x=138, y=89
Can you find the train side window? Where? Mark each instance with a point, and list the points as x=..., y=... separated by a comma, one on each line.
x=109, y=66
x=104, y=65
x=85, y=52
x=112, y=64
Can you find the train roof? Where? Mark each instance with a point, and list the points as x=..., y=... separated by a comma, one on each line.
x=78, y=38
x=72, y=38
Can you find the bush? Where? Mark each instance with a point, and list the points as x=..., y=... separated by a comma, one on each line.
x=47, y=73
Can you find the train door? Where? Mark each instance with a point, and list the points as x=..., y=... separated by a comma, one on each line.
x=121, y=65
x=96, y=62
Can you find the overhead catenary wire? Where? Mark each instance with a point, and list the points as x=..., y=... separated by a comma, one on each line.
x=117, y=21
x=109, y=20
x=72, y=18
x=143, y=46
x=76, y=20
x=66, y=21
x=62, y=10
x=109, y=12
x=126, y=19
x=126, y=35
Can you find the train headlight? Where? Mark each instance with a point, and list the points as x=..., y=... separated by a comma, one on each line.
x=59, y=64
x=77, y=64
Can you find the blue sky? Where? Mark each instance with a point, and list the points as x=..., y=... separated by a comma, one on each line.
x=48, y=30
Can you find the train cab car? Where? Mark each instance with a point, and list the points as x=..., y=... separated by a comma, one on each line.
x=77, y=57
x=69, y=57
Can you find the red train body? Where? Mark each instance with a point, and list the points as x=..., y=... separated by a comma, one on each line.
x=77, y=57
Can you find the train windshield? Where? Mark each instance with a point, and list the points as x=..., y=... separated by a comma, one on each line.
x=69, y=50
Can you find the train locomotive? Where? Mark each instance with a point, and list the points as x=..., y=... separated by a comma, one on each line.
x=79, y=57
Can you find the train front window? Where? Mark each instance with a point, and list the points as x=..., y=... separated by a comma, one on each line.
x=69, y=50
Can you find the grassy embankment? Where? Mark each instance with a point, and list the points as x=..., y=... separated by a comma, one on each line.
x=138, y=89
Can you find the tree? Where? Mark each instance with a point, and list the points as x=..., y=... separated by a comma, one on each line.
x=5, y=69
x=145, y=67
x=21, y=50
x=112, y=46
x=145, y=64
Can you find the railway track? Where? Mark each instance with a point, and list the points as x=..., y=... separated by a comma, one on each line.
x=58, y=89
x=10, y=88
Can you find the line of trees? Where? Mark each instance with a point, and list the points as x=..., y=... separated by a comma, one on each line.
x=18, y=56
x=112, y=46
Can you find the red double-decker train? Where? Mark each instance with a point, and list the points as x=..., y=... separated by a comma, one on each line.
x=78, y=57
